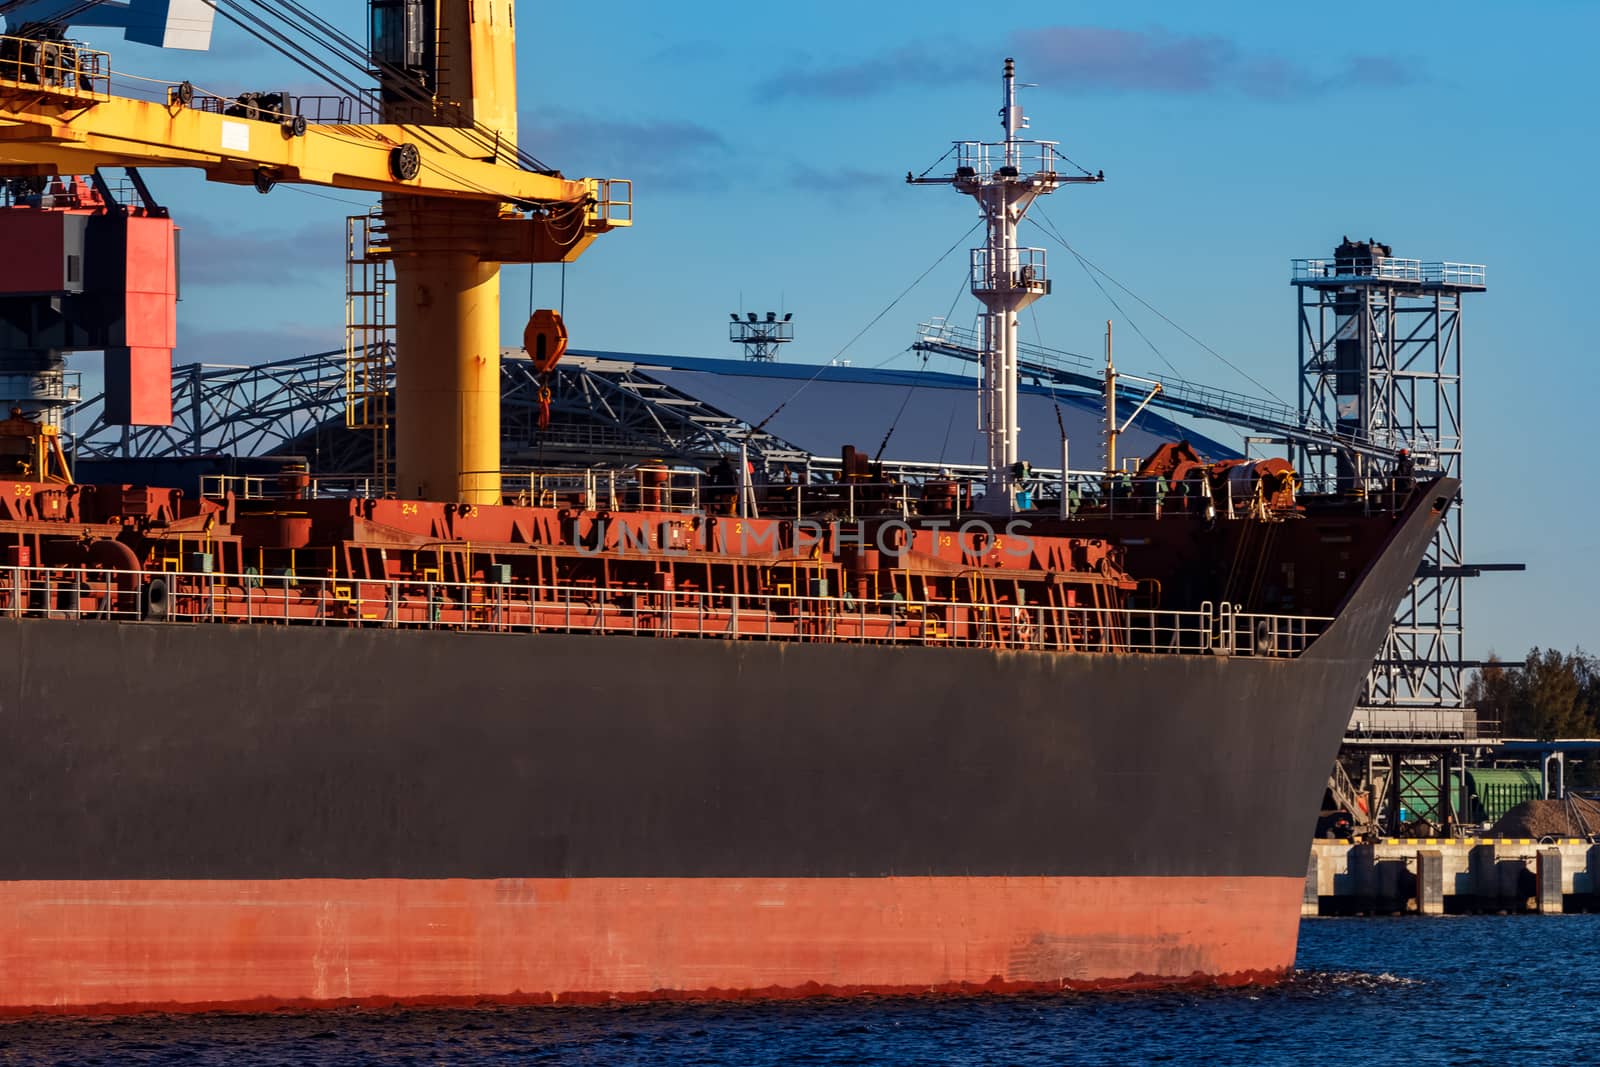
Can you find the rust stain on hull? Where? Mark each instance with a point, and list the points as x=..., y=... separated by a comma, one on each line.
x=252, y=945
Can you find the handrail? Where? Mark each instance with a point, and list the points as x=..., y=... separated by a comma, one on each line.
x=1390, y=268
x=55, y=68
x=807, y=611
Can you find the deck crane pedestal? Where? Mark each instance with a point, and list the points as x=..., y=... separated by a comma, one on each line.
x=458, y=198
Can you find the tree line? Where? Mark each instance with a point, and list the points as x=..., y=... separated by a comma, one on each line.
x=1549, y=694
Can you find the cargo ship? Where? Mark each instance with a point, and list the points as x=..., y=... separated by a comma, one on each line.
x=673, y=734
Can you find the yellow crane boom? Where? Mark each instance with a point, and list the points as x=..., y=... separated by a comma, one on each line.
x=455, y=203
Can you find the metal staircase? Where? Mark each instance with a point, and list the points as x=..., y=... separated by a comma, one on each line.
x=368, y=333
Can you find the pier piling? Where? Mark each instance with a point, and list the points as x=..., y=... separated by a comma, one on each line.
x=1430, y=882
x=1549, y=883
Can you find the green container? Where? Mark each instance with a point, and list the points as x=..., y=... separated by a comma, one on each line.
x=1496, y=790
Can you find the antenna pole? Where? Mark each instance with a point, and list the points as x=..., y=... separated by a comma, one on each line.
x=1004, y=178
x=1111, y=406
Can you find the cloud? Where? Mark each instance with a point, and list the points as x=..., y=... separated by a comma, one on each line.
x=1099, y=59
x=689, y=53
x=1377, y=72
x=912, y=65
x=1095, y=57
x=846, y=181
x=659, y=153
x=1160, y=61
x=212, y=257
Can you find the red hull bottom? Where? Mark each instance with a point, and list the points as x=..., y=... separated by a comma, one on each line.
x=87, y=946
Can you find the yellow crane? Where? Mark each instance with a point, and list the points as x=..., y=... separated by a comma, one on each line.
x=456, y=202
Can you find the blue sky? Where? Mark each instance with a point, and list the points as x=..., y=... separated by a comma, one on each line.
x=769, y=144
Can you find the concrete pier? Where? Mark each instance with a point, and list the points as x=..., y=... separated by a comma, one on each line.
x=1441, y=876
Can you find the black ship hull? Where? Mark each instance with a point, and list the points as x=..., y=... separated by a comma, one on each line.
x=380, y=796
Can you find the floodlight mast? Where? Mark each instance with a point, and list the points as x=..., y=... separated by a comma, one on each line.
x=1005, y=179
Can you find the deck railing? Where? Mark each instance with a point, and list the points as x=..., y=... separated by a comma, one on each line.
x=801, y=610
x=54, y=69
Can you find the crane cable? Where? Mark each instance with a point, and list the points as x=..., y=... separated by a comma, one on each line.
x=1049, y=227
x=60, y=18
x=347, y=50
x=874, y=321
x=284, y=45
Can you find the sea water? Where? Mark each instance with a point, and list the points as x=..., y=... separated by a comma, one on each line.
x=1519, y=991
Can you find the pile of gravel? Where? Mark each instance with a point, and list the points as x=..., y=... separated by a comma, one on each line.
x=1550, y=818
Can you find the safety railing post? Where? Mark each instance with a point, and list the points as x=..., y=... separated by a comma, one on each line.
x=1222, y=628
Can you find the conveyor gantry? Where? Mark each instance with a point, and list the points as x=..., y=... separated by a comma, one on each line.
x=1058, y=367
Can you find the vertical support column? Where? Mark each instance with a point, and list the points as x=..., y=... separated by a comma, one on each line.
x=447, y=298
x=1548, y=893
x=1311, y=899
x=1484, y=875
x=1066, y=479
x=1396, y=794
x=1430, y=882
x=447, y=376
x=1363, y=861
x=1445, y=816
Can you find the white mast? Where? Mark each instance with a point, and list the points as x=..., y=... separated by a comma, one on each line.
x=1005, y=179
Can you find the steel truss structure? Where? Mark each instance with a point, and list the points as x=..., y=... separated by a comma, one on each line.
x=268, y=408
x=612, y=410
x=1380, y=343
x=602, y=411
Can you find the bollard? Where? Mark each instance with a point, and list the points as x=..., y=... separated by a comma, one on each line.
x=1430, y=882
x=1549, y=881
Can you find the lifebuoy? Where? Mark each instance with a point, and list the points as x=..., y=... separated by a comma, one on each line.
x=153, y=600
x=1022, y=627
x=1266, y=638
